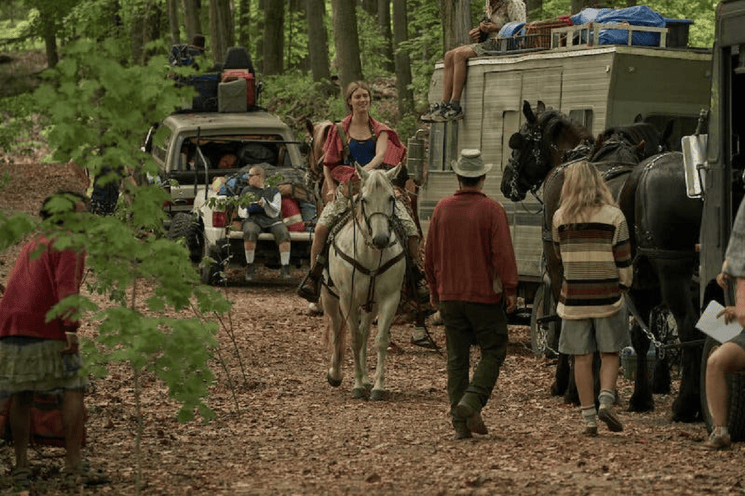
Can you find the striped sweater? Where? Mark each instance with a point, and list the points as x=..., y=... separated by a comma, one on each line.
x=596, y=257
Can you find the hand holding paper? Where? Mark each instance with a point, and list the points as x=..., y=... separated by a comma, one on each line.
x=714, y=322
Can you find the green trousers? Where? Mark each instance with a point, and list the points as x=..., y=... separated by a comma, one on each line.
x=481, y=324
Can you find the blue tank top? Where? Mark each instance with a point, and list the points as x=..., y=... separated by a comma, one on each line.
x=362, y=152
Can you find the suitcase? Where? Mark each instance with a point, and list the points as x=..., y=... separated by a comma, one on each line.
x=232, y=96
x=242, y=74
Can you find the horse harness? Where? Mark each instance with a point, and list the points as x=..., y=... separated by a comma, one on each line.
x=371, y=273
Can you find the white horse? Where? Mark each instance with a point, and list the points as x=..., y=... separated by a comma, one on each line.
x=366, y=265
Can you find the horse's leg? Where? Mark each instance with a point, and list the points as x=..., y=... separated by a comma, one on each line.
x=563, y=375
x=336, y=326
x=366, y=319
x=386, y=313
x=641, y=399
x=359, y=345
x=677, y=296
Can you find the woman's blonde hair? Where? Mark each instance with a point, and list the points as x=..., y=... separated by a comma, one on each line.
x=584, y=190
x=351, y=88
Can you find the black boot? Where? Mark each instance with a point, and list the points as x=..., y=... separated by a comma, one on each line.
x=308, y=289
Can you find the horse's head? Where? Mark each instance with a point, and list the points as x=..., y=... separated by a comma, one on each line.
x=318, y=133
x=377, y=202
x=537, y=148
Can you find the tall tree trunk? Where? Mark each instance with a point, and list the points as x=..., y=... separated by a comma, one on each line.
x=173, y=22
x=384, y=22
x=535, y=9
x=151, y=29
x=318, y=44
x=403, y=64
x=243, y=23
x=347, y=41
x=274, y=20
x=221, y=29
x=456, y=22
x=136, y=34
x=192, y=23
x=369, y=6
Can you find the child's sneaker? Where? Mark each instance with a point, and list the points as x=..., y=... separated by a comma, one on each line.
x=433, y=109
x=717, y=442
x=452, y=114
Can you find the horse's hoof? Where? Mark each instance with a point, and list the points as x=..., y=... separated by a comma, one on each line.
x=639, y=404
x=377, y=394
x=687, y=413
x=332, y=381
x=368, y=386
x=359, y=393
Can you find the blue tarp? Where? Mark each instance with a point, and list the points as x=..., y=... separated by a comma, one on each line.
x=511, y=29
x=640, y=15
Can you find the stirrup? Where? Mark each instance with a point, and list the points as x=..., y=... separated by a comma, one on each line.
x=308, y=289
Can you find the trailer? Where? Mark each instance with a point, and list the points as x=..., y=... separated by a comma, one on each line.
x=596, y=85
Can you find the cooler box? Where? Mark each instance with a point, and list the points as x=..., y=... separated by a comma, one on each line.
x=231, y=96
x=243, y=75
x=206, y=85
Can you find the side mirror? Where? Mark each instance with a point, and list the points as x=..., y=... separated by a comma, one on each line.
x=694, y=163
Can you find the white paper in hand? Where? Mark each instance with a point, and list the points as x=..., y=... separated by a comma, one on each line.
x=714, y=326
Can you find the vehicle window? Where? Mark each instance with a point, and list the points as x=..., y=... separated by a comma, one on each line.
x=160, y=143
x=582, y=117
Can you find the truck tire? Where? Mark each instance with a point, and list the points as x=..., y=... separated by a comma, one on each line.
x=544, y=340
x=186, y=226
x=736, y=387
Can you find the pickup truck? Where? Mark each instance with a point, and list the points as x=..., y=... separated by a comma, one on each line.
x=192, y=150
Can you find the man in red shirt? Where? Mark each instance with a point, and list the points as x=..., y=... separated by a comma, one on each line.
x=42, y=356
x=470, y=266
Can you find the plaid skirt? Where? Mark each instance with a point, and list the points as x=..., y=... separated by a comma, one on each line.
x=36, y=365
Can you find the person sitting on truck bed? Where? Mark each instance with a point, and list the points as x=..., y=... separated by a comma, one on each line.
x=730, y=357
x=261, y=215
x=497, y=14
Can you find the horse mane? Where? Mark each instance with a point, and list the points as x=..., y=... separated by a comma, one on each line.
x=637, y=133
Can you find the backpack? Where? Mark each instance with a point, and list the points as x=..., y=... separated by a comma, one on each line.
x=182, y=55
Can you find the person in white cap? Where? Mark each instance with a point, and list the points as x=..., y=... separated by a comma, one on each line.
x=471, y=272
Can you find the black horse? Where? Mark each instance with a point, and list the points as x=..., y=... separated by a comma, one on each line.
x=663, y=223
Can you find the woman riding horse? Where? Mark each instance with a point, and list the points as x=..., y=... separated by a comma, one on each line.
x=358, y=139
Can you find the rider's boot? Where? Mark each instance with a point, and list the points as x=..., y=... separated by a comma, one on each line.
x=419, y=282
x=309, y=289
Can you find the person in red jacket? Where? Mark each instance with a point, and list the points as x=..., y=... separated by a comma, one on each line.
x=471, y=269
x=40, y=355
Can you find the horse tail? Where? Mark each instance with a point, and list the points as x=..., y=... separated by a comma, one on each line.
x=330, y=342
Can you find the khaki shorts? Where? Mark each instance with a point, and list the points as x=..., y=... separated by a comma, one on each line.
x=603, y=334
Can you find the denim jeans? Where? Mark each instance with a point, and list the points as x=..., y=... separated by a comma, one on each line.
x=469, y=323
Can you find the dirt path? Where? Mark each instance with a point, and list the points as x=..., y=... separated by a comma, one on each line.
x=288, y=432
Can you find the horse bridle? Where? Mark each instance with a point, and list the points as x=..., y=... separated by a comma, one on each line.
x=371, y=273
x=534, y=139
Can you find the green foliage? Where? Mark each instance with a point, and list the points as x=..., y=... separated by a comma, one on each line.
x=424, y=49
x=371, y=44
x=98, y=112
